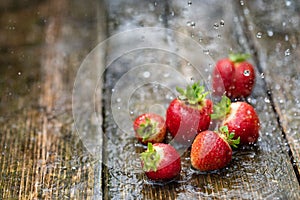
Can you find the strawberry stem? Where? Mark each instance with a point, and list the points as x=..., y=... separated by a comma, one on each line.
x=147, y=129
x=221, y=109
x=193, y=94
x=150, y=158
x=238, y=57
x=229, y=137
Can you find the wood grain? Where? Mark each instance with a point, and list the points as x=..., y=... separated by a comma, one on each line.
x=254, y=172
x=277, y=49
x=45, y=155
x=42, y=157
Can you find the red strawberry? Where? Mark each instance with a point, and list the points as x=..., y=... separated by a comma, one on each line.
x=233, y=76
x=211, y=150
x=240, y=117
x=150, y=127
x=189, y=114
x=161, y=162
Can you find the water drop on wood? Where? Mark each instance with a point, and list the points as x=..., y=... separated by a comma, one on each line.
x=258, y=35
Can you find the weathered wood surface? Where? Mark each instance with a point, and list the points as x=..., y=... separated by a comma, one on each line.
x=275, y=38
x=45, y=155
x=42, y=46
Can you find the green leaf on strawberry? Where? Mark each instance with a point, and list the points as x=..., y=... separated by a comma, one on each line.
x=147, y=129
x=150, y=158
x=229, y=136
x=194, y=94
x=221, y=109
x=238, y=57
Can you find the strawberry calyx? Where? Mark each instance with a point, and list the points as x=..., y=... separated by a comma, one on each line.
x=238, y=57
x=229, y=137
x=193, y=94
x=221, y=109
x=147, y=129
x=150, y=158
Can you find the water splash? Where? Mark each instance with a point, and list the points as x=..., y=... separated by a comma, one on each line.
x=287, y=52
x=259, y=35
x=191, y=24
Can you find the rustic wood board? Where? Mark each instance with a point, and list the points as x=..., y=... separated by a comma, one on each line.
x=45, y=155
x=42, y=46
x=275, y=38
x=263, y=171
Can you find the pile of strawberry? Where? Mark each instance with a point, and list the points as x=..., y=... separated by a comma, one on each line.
x=189, y=117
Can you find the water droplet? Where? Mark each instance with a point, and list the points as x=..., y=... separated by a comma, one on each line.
x=270, y=33
x=206, y=51
x=118, y=100
x=262, y=75
x=19, y=73
x=242, y=2
x=246, y=11
x=286, y=38
x=246, y=72
x=258, y=35
x=172, y=13
x=155, y=3
x=216, y=26
x=191, y=23
x=288, y=3
x=267, y=100
x=146, y=74
x=277, y=87
x=283, y=24
x=281, y=101
x=222, y=23
x=160, y=18
x=189, y=3
x=287, y=52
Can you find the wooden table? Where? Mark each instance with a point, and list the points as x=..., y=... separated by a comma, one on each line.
x=66, y=123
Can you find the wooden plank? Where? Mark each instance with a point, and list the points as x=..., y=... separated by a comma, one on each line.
x=122, y=174
x=19, y=53
x=41, y=156
x=275, y=39
x=219, y=25
x=259, y=172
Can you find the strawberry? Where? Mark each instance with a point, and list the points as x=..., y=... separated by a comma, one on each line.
x=240, y=117
x=233, y=76
x=189, y=114
x=161, y=162
x=211, y=150
x=150, y=127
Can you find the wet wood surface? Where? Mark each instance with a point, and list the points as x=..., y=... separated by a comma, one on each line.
x=66, y=123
